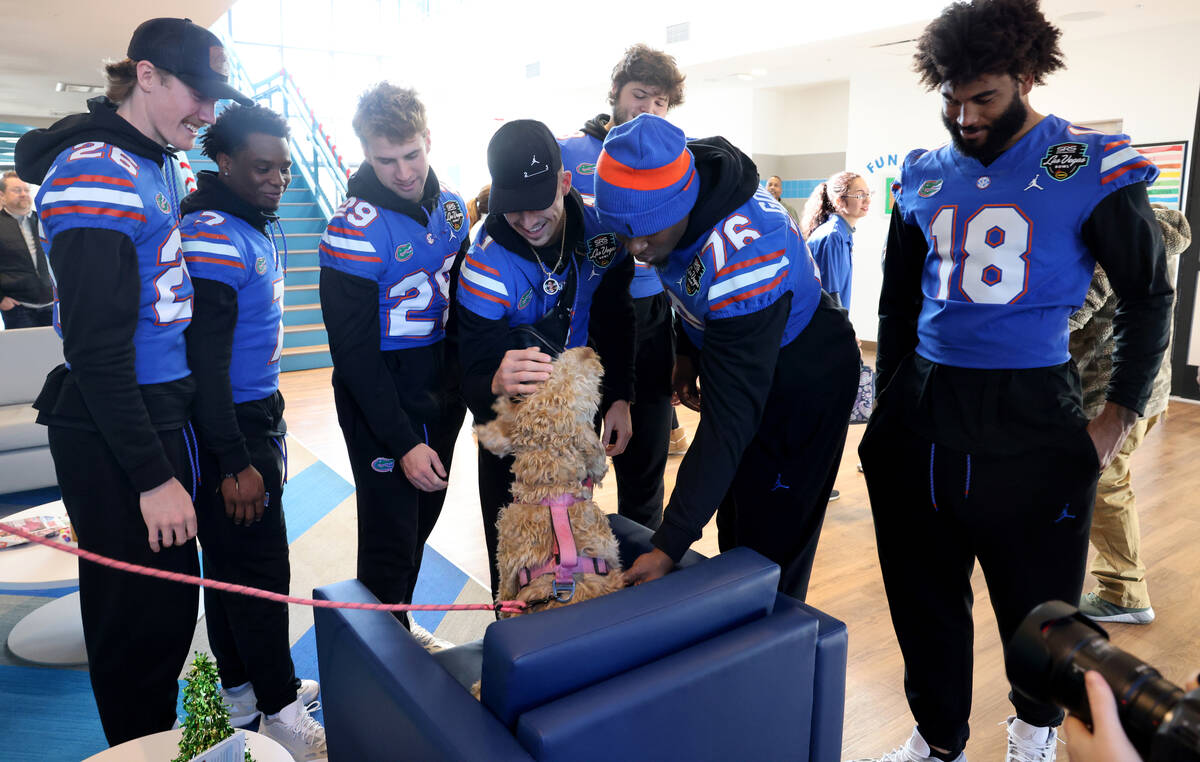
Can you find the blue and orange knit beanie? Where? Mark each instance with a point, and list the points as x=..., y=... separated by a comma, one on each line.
x=645, y=177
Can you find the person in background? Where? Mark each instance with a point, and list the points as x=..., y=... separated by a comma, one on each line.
x=644, y=81
x=828, y=227
x=775, y=188
x=232, y=245
x=118, y=410
x=1121, y=595
x=26, y=295
x=830, y=215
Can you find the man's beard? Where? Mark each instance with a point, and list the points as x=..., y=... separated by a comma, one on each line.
x=619, y=116
x=1000, y=132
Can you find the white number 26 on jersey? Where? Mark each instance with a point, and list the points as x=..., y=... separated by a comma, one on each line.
x=987, y=261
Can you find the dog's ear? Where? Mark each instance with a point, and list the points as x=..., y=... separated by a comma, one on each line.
x=495, y=436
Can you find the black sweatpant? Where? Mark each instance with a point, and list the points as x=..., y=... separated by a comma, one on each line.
x=776, y=504
x=495, y=492
x=137, y=629
x=639, y=470
x=1024, y=515
x=249, y=636
x=394, y=517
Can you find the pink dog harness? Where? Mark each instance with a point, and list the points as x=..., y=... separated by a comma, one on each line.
x=566, y=561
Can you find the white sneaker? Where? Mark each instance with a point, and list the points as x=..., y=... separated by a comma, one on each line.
x=430, y=642
x=295, y=730
x=915, y=750
x=1029, y=743
x=243, y=703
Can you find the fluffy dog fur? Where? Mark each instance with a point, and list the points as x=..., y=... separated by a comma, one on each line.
x=552, y=436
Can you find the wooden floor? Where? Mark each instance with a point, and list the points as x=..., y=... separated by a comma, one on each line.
x=846, y=578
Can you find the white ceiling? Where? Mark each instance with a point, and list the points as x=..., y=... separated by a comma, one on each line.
x=49, y=41
x=796, y=43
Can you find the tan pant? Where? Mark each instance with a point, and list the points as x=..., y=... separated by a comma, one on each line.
x=1115, y=530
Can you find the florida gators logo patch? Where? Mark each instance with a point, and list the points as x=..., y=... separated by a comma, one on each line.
x=163, y=206
x=691, y=278
x=523, y=302
x=454, y=214
x=602, y=248
x=586, y=168
x=383, y=465
x=260, y=265
x=404, y=252
x=1063, y=160
x=929, y=187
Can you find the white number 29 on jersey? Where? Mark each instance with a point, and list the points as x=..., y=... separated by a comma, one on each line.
x=416, y=294
x=988, y=259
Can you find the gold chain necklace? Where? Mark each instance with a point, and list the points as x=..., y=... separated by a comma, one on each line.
x=550, y=285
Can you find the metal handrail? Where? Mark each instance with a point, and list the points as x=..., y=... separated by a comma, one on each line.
x=314, y=153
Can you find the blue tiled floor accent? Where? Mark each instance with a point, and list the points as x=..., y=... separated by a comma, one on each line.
x=311, y=494
x=439, y=581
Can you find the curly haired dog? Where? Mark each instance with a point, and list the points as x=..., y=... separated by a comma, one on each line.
x=555, y=546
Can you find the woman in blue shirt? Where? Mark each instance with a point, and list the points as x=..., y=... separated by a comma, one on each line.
x=830, y=214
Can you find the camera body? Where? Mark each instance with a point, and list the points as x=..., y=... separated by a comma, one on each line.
x=1056, y=644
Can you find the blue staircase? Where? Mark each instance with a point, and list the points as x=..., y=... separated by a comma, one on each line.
x=319, y=176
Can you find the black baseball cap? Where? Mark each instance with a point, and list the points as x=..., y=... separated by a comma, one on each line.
x=190, y=52
x=524, y=161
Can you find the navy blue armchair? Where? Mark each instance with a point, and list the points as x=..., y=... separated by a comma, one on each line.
x=708, y=663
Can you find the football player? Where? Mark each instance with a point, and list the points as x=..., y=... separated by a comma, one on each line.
x=236, y=253
x=387, y=261
x=542, y=276
x=978, y=448
x=775, y=358
x=118, y=410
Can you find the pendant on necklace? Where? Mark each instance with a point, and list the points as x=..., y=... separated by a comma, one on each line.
x=550, y=286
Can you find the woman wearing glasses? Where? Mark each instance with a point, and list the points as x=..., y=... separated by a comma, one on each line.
x=830, y=215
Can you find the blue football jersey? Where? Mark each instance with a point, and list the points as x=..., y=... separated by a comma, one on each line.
x=744, y=264
x=98, y=185
x=579, y=154
x=496, y=283
x=225, y=248
x=410, y=261
x=1007, y=263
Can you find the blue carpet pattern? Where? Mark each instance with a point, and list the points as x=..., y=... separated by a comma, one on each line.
x=48, y=713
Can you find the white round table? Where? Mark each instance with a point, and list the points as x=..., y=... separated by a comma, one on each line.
x=53, y=633
x=165, y=745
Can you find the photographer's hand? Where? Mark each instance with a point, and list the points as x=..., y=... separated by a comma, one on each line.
x=1106, y=742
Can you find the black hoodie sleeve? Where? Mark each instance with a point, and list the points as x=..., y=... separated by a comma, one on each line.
x=453, y=368
x=611, y=323
x=1125, y=238
x=737, y=365
x=900, y=296
x=481, y=346
x=99, y=290
x=350, y=307
x=210, y=350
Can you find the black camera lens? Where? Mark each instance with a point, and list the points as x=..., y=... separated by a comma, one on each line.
x=1053, y=648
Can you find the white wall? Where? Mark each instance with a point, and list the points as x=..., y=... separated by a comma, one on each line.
x=1154, y=93
x=801, y=120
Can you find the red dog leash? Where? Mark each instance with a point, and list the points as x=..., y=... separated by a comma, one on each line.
x=504, y=607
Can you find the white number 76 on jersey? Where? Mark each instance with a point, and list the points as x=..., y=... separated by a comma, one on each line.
x=992, y=262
